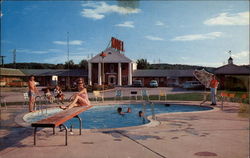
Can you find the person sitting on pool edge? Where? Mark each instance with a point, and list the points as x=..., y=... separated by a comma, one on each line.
x=80, y=98
x=119, y=110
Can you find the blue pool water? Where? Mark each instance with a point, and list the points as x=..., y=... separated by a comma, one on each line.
x=100, y=117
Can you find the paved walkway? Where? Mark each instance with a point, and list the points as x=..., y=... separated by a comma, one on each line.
x=216, y=133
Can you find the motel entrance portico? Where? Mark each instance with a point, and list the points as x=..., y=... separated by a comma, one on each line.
x=113, y=69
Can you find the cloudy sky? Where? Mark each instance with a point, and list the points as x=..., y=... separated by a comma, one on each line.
x=176, y=32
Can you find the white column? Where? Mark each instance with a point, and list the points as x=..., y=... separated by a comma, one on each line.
x=129, y=73
x=119, y=74
x=99, y=74
x=90, y=74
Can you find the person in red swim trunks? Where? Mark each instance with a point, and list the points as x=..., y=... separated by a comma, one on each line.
x=213, y=87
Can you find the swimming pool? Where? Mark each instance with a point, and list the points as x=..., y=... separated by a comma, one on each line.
x=100, y=117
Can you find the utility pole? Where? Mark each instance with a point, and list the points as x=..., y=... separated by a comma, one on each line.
x=2, y=60
x=14, y=58
x=68, y=80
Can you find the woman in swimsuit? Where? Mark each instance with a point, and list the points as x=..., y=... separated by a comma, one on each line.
x=80, y=98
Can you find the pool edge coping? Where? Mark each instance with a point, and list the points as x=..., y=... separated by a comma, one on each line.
x=153, y=123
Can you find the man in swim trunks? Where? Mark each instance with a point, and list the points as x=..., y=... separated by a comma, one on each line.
x=32, y=92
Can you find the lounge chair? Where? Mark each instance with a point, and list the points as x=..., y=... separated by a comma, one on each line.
x=133, y=93
x=26, y=99
x=3, y=101
x=97, y=94
x=144, y=94
x=118, y=94
x=163, y=94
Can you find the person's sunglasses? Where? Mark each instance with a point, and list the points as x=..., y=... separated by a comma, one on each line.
x=80, y=83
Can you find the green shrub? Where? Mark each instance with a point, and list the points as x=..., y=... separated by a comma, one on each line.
x=244, y=110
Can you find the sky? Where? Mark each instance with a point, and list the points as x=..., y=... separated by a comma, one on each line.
x=174, y=32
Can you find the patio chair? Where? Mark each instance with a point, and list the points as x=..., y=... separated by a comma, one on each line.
x=47, y=99
x=133, y=93
x=144, y=94
x=26, y=99
x=97, y=94
x=3, y=101
x=232, y=96
x=163, y=94
x=223, y=96
x=118, y=94
x=243, y=97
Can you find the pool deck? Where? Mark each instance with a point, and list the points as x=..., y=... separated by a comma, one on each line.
x=214, y=133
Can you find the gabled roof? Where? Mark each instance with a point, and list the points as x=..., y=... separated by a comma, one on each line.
x=11, y=72
x=113, y=56
x=55, y=72
x=163, y=73
x=231, y=69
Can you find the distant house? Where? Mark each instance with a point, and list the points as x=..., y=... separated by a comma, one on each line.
x=164, y=78
x=233, y=77
x=11, y=77
x=63, y=77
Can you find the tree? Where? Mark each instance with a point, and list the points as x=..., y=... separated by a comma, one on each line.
x=59, y=66
x=142, y=64
x=83, y=64
x=70, y=64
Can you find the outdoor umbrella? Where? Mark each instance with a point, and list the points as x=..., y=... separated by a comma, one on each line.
x=204, y=77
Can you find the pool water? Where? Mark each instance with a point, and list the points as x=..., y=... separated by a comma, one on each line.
x=100, y=117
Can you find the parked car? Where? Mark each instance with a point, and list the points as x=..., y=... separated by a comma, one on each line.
x=193, y=85
x=137, y=83
x=153, y=83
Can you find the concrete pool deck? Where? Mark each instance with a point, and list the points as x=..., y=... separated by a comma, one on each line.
x=216, y=133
